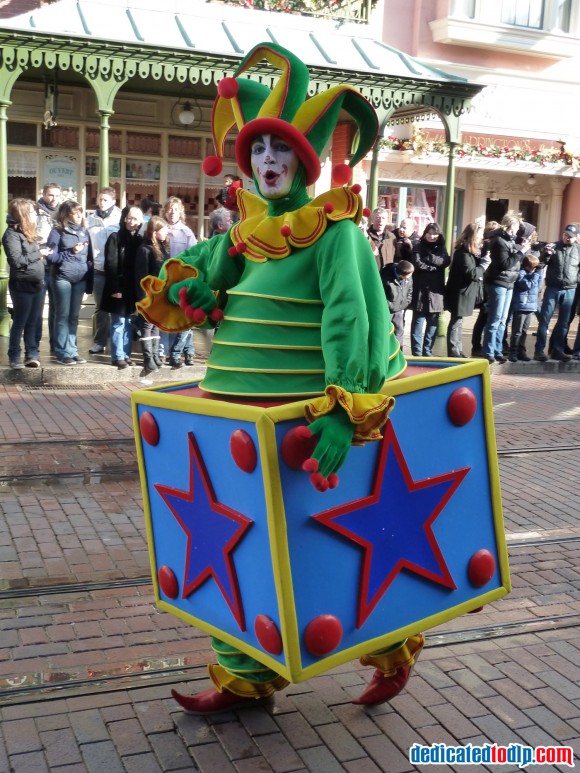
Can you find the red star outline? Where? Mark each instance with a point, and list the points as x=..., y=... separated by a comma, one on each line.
x=234, y=602
x=366, y=605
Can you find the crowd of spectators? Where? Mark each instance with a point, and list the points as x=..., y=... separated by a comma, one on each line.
x=53, y=248
x=501, y=270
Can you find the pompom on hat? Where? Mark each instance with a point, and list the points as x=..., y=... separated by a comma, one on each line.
x=305, y=124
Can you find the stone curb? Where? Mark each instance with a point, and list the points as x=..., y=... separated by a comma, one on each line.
x=96, y=373
x=90, y=374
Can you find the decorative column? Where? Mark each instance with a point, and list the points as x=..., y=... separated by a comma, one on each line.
x=10, y=71
x=373, y=186
x=443, y=320
x=104, y=148
x=479, y=186
x=4, y=316
x=553, y=226
x=449, y=196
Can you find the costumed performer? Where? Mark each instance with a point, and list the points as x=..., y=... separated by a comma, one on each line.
x=302, y=314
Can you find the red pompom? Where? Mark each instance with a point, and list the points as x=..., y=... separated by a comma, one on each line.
x=319, y=482
x=332, y=480
x=217, y=315
x=366, y=212
x=198, y=316
x=241, y=247
x=342, y=174
x=232, y=251
x=188, y=311
x=286, y=231
x=328, y=207
x=356, y=189
x=212, y=166
x=310, y=465
x=183, y=302
x=228, y=88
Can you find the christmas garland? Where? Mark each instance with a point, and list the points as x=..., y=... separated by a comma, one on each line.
x=421, y=145
x=332, y=8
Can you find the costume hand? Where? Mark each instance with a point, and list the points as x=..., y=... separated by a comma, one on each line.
x=335, y=433
x=196, y=299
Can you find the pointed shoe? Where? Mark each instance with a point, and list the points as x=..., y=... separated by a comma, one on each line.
x=383, y=688
x=213, y=702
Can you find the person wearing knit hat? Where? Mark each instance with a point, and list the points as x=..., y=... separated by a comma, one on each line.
x=562, y=261
x=499, y=281
x=295, y=288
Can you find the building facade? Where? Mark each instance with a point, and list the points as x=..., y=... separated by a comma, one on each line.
x=520, y=144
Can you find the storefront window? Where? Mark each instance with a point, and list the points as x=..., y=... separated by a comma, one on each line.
x=529, y=210
x=21, y=133
x=417, y=202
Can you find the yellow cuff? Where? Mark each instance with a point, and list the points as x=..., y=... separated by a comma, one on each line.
x=223, y=680
x=402, y=657
x=156, y=307
x=367, y=412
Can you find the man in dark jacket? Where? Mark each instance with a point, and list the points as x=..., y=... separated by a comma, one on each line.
x=380, y=238
x=406, y=239
x=397, y=279
x=562, y=261
x=46, y=214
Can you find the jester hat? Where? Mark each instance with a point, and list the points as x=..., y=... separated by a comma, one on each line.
x=305, y=124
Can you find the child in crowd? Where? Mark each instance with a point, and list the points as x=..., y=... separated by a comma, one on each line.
x=525, y=304
x=397, y=279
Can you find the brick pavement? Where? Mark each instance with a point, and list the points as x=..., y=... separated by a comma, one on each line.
x=523, y=687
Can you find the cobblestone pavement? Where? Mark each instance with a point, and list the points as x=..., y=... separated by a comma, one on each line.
x=82, y=620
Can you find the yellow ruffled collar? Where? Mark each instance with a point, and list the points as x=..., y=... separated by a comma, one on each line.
x=260, y=237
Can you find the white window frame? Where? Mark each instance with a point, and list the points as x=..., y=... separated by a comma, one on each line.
x=475, y=23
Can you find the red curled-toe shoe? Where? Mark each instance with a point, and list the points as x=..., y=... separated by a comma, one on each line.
x=213, y=702
x=383, y=688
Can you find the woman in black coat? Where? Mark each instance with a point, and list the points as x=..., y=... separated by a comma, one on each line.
x=151, y=255
x=119, y=289
x=465, y=284
x=430, y=259
x=499, y=281
x=25, y=283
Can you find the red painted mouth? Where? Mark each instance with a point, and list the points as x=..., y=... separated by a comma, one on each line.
x=271, y=178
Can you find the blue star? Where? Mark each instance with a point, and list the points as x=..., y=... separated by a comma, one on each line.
x=213, y=531
x=394, y=525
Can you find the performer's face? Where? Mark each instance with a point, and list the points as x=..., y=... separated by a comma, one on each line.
x=274, y=164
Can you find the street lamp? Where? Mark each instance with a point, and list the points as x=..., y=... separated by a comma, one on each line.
x=186, y=113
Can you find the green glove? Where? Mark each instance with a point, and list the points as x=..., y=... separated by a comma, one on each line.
x=335, y=432
x=199, y=295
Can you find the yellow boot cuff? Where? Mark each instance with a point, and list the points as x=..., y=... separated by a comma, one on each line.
x=223, y=680
x=402, y=657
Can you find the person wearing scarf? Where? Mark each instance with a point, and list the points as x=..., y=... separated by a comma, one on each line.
x=25, y=283
x=119, y=290
x=71, y=276
x=101, y=224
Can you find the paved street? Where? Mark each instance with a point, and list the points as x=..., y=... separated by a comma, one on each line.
x=87, y=662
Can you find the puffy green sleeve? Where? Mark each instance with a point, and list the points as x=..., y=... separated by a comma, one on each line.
x=360, y=352
x=359, y=346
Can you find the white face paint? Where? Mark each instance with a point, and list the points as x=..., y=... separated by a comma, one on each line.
x=274, y=164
